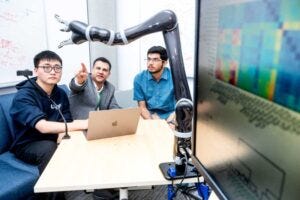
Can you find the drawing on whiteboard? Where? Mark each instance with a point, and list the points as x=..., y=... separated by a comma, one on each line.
x=22, y=34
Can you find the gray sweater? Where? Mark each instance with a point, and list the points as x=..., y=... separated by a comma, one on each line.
x=83, y=99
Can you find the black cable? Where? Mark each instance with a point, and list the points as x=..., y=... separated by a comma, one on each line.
x=184, y=175
x=190, y=195
x=187, y=190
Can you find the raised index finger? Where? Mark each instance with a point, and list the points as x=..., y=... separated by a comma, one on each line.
x=83, y=67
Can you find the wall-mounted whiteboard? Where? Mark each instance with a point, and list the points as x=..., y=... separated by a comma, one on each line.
x=23, y=34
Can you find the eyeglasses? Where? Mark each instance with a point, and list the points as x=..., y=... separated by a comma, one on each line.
x=153, y=59
x=48, y=68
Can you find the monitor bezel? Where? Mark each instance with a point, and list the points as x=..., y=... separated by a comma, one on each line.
x=196, y=162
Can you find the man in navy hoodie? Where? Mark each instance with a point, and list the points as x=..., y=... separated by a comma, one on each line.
x=35, y=115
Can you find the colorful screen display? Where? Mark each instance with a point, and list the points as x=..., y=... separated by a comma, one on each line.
x=247, y=94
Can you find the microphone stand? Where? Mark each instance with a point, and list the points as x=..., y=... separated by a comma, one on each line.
x=66, y=136
x=26, y=73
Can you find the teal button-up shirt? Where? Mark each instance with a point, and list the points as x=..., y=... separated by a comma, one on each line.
x=158, y=95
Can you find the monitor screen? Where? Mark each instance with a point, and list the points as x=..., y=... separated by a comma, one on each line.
x=247, y=98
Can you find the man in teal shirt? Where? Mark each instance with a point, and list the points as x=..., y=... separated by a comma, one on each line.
x=153, y=88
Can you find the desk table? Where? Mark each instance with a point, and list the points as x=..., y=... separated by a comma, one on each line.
x=117, y=162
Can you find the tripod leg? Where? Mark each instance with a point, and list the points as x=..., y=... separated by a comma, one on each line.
x=123, y=194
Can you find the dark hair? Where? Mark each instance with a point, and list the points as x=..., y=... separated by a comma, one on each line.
x=46, y=55
x=103, y=60
x=160, y=50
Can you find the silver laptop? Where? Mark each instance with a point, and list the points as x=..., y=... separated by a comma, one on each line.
x=112, y=123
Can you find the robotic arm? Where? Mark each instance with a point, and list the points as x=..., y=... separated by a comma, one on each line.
x=165, y=21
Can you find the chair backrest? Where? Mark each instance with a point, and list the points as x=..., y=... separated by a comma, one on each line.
x=125, y=98
x=6, y=129
x=65, y=88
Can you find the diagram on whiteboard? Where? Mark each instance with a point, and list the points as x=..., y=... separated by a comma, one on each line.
x=22, y=35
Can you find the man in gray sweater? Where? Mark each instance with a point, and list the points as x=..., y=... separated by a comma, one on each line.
x=91, y=91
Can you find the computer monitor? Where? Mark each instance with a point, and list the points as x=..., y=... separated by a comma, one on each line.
x=247, y=98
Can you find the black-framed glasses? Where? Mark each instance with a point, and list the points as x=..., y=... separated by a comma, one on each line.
x=49, y=68
x=153, y=59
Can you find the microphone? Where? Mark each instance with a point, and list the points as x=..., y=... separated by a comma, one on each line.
x=28, y=73
x=25, y=73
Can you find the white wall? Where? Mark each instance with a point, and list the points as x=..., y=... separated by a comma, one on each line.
x=102, y=14
x=128, y=55
x=72, y=55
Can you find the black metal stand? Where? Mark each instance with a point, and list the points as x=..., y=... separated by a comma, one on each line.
x=190, y=173
x=169, y=171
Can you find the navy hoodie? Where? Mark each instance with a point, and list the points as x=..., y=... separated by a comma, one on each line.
x=31, y=105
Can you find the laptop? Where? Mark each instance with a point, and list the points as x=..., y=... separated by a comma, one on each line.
x=112, y=123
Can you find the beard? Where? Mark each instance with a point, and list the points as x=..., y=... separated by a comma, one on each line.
x=156, y=71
